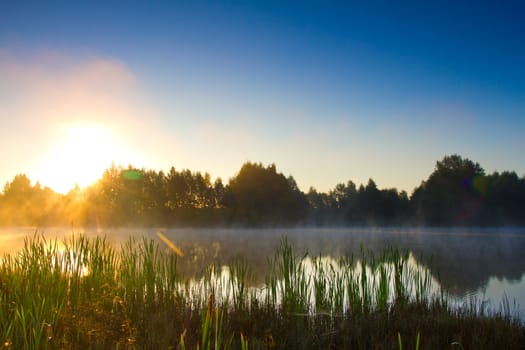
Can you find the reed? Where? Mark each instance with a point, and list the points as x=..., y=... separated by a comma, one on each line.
x=83, y=293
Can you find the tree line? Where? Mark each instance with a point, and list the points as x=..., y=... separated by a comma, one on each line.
x=457, y=192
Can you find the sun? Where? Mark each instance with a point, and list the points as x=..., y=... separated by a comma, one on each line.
x=79, y=157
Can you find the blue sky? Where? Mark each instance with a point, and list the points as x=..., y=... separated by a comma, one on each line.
x=329, y=91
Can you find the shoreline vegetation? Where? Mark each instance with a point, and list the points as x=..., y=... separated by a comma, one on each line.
x=457, y=193
x=83, y=293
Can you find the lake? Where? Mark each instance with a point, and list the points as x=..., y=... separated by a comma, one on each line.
x=486, y=264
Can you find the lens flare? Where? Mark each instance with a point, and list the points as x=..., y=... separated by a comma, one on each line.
x=480, y=183
x=170, y=244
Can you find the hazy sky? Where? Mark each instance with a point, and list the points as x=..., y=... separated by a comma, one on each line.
x=327, y=91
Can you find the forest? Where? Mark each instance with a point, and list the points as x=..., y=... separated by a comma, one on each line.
x=457, y=193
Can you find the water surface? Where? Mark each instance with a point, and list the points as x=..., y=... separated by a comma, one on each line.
x=487, y=264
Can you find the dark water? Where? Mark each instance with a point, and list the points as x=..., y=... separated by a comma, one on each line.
x=488, y=264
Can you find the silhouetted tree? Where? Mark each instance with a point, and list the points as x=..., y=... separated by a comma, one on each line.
x=322, y=208
x=259, y=195
x=448, y=197
x=505, y=197
x=344, y=202
x=154, y=197
x=23, y=204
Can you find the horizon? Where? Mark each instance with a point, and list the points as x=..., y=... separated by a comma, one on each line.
x=225, y=181
x=327, y=93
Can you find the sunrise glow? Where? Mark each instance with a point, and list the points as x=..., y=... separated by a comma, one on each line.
x=80, y=156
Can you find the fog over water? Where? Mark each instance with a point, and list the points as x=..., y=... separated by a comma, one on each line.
x=488, y=264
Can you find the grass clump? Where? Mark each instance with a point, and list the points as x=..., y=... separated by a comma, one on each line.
x=83, y=293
